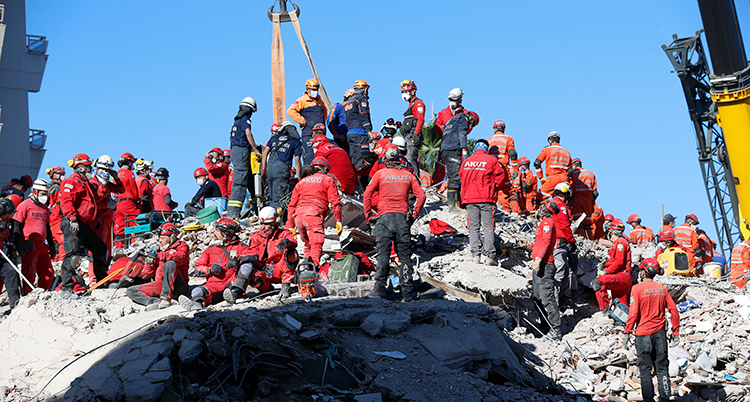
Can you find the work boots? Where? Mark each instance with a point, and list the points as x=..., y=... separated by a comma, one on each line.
x=231, y=295
x=285, y=291
x=490, y=261
x=189, y=304
x=453, y=202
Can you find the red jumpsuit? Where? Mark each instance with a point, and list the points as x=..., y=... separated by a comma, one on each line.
x=308, y=209
x=104, y=215
x=617, y=277
x=145, y=188
x=179, y=252
x=341, y=166
x=557, y=162
x=215, y=284
x=160, y=191
x=584, y=185
x=35, y=219
x=597, y=219
x=126, y=202
x=265, y=245
x=55, y=218
x=219, y=172
x=562, y=221
x=740, y=264
x=545, y=241
x=230, y=180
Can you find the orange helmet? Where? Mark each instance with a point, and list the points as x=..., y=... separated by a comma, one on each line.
x=312, y=83
x=349, y=92
x=80, y=159
x=361, y=84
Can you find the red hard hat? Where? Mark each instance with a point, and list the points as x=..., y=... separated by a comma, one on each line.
x=666, y=235
x=651, y=265
x=575, y=160
x=693, y=217
x=80, y=159
x=319, y=138
x=55, y=170
x=217, y=150
x=408, y=85
x=609, y=217
x=320, y=162
x=127, y=156
x=523, y=160
x=15, y=198
x=616, y=225
x=498, y=124
x=227, y=152
x=27, y=181
x=168, y=229
x=275, y=127
x=475, y=117
x=319, y=126
x=227, y=225
x=634, y=218
x=200, y=172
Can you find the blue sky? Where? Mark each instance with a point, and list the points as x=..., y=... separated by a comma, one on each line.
x=163, y=80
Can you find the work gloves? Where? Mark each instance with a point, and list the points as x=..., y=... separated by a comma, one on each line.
x=74, y=226
x=536, y=264
x=215, y=269
x=626, y=341
x=339, y=228
x=294, y=232
x=596, y=285
x=150, y=257
x=282, y=245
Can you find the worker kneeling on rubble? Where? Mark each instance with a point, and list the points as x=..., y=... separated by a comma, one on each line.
x=275, y=252
x=393, y=222
x=616, y=276
x=482, y=177
x=646, y=315
x=171, y=262
x=543, y=272
x=219, y=261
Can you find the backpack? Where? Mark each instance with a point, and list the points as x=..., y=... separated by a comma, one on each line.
x=343, y=269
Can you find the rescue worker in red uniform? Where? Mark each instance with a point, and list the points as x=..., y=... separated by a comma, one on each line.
x=646, y=316
x=31, y=228
x=455, y=98
x=740, y=264
x=585, y=194
x=310, y=205
x=230, y=171
x=528, y=184
x=308, y=110
x=566, y=280
x=162, y=196
x=639, y=235
x=171, y=262
x=78, y=204
x=687, y=237
x=145, y=185
x=597, y=219
x=557, y=162
x=273, y=259
x=413, y=122
x=341, y=167
x=103, y=189
x=482, y=177
x=127, y=202
x=8, y=275
x=56, y=175
x=608, y=218
x=219, y=261
x=391, y=225
x=616, y=276
x=543, y=273
x=218, y=169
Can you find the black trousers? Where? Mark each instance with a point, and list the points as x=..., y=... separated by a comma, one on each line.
x=652, y=352
x=74, y=245
x=543, y=285
x=393, y=228
x=12, y=282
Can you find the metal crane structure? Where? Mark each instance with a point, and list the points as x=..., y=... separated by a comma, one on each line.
x=719, y=107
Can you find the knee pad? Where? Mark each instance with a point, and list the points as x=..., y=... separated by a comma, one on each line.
x=75, y=261
x=245, y=271
x=198, y=293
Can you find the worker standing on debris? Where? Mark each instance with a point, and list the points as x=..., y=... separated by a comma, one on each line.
x=337, y=122
x=341, y=166
x=686, y=236
x=557, y=162
x=357, y=110
x=56, y=175
x=243, y=143
x=413, y=122
x=309, y=208
x=528, y=184
x=308, y=110
x=127, y=202
x=219, y=262
x=740, y=264
x=209, y=189
x=78, y=204
x=391, y=225
x=668, y=222
x=585, y=194
x=145, y=185
x=502, y=146
x=705, y=244
x=8, y=275
x=566, y=281
x=455, y=99
x=162, y=196
x=453, y=152
x=597, y=220
x=282, y=149
x=482, y=177
x=171, y=262
x=639, y=235
x=218, y=169
x=104, y=184
x=646, y=316
x=543, y=272
x=276, y=259
x=616, y=276
x=31, y=228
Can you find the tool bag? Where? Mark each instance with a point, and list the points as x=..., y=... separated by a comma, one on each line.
x=343, y=269
x=675, y=261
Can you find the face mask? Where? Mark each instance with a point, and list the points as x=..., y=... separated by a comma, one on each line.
x=62, y=178
x=313, y=94
x=453, y=104
x=89, y=175
x=213, y=160
x=102, y=175
x=150, y=175
x=405, y=96
x=693, y=226
x=42, y=198
x=201, y=181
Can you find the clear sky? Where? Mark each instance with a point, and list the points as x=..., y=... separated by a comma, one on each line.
x=163, y=80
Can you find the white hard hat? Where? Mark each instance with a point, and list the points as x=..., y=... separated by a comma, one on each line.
x=455, y=94
x=105, y=162
x=268, y=215
x=563, y=187
x=248, y=101
x=399, y=142
x=553, y=134
x=40, y=185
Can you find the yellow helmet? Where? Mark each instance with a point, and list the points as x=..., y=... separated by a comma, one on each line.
x=361, y=84
x=312, y=83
